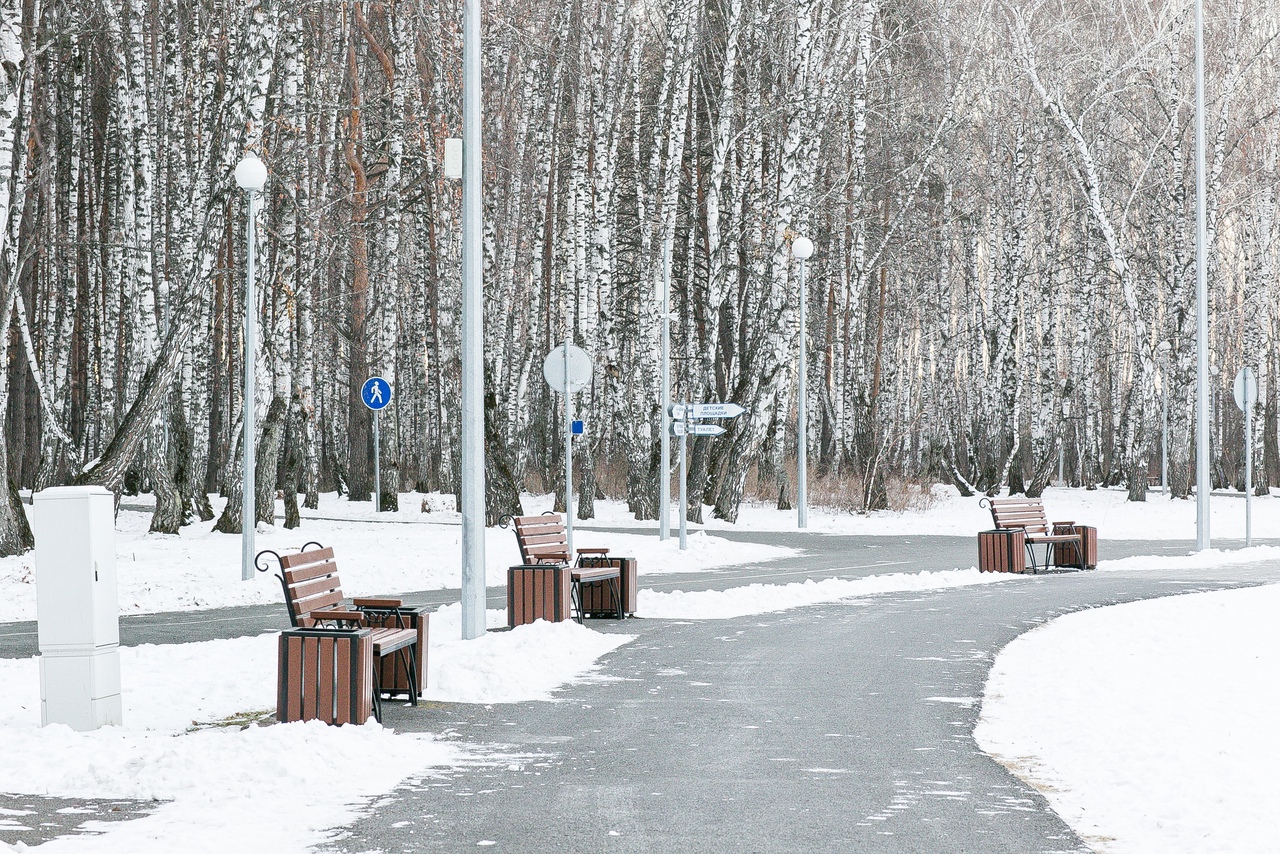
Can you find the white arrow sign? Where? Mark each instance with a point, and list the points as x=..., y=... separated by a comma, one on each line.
x=716, y=410
x=705, y=430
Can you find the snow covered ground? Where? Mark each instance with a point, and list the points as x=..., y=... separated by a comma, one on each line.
x=416, y=550
x=226, y=787
x=1150, y=727
x=201, y=568
x=1109, y=510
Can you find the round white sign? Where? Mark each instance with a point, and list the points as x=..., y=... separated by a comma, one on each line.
x=1246, y=384
x=579, y=365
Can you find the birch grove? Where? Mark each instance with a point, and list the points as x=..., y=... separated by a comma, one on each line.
x=1001, y=196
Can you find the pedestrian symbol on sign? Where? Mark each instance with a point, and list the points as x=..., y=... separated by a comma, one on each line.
x=376, y=393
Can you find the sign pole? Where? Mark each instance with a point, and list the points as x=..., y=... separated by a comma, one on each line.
x=1248, y=458
x=377, y=464
x=568, y=453
x=684, y=486
x=1248, y=473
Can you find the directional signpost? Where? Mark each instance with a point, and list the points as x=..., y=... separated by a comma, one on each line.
x=684, y=424
x=376, y=394
x=1246, y=393
x=567, y=369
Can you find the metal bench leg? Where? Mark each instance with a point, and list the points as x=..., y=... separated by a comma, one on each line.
x=616, y=585
x=1031, y=552
x=575, y=600
x=377, y=690
x=409, y=659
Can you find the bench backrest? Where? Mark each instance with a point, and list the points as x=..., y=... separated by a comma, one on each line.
x=542, y=539
x=310, y=581
x=1025, y=513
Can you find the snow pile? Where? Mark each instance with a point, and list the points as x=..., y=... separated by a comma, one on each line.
x=201, y=569
x=948, y=514
x=254, y=789
x=766, y=598
x=527, y=663
x=1149, y=726
x=271, y=788
x=1207, y=559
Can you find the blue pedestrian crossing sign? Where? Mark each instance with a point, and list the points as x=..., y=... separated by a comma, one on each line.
x=376, y=393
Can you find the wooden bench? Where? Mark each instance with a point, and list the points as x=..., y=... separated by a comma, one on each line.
x=542, y=540
x=313, y=596
x=1028, y=515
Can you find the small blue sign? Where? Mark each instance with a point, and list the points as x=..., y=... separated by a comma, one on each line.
x=578, y=428
x=376, y=393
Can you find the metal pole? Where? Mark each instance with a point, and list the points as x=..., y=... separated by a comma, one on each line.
x=684, y=486
x=802, y=424
x=1164, y=437
x=1248, y=460
x=664, y=477
x=568, y=452
x=248, y=503
x=1204, y=482
x=377, y=464
x=473, y=567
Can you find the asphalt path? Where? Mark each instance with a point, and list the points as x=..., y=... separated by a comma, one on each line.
x=839, y=727
x=821, y=556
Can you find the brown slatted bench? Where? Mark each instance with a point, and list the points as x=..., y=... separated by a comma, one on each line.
x=542, y=540
x=313, y=596
x=1028, y=515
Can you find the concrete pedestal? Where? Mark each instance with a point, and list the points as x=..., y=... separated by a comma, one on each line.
x=76, y=606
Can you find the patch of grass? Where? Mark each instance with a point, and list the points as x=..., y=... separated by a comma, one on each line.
x=240, y=720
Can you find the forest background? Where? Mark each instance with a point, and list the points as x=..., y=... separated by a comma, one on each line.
x=1000, y=193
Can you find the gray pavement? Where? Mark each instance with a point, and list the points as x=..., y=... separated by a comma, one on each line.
x=841, y=727
x=807, y=730
x=823, y=556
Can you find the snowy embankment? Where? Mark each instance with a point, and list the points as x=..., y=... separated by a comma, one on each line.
x=268, y=788
x=947, y=513
x=768, y=598
x=1149, y=727
x=399, y=552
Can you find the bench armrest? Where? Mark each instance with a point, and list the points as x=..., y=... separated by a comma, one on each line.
x=1065, y=523
x=377, y=603
x=593, y=551
x=340, y=615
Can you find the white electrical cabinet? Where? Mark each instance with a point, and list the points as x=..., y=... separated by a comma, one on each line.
x=76, y=606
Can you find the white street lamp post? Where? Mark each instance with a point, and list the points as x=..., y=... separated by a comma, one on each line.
x=664, y=392
x=1204, y=482
x=802, y=250
x=473, y=570
x=251, y=176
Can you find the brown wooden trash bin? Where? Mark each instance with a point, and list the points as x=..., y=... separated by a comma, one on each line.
x=325, y=676
x=1002, y=550
x=597, y=596
x=393, y=678
x=538, y=592
x=1065, y=554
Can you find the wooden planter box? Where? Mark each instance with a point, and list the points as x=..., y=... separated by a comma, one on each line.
x=1065, y=554
x=597, y=596
x=393, y=678
x=1002, y=550
x=325, y=676
x=537, y=593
